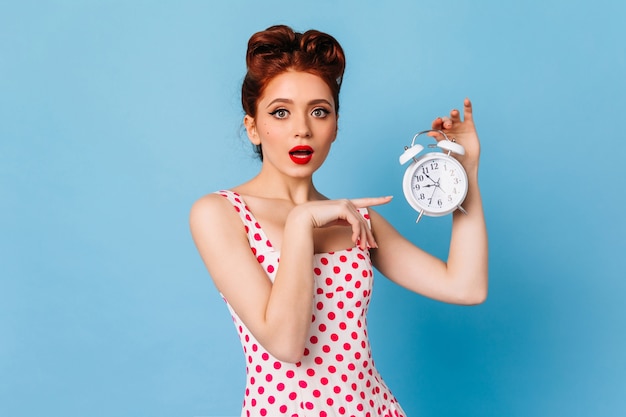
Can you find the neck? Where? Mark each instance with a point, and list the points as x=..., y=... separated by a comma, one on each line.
x=271, y=185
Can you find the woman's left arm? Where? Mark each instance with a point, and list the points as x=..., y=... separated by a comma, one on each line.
x=463, y=278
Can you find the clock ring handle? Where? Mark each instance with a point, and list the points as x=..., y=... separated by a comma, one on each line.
x=447, y=144
x=429, y=131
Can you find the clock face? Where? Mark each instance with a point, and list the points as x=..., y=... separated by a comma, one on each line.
x=435, y=184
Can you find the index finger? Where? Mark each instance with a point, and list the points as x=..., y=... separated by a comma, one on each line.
x=467, y=109
x=371, y=201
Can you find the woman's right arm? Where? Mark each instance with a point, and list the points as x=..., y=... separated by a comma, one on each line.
x=273, y=313
x=278, y=314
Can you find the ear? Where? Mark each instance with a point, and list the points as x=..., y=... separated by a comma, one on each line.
x=336, y=128
x=250, y=124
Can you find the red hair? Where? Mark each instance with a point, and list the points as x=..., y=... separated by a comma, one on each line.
x=278, y=49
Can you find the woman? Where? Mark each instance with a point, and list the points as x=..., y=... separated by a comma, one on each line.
x=294, y=267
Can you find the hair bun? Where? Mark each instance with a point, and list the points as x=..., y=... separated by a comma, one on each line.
x=271, y=44
x=322, y=49
x=320, y=45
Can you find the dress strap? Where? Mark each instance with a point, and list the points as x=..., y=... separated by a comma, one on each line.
x=256, y=236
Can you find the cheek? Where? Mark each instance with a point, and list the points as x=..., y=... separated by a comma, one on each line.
x=267, y=129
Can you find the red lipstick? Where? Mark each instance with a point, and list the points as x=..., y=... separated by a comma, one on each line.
x=301, y=154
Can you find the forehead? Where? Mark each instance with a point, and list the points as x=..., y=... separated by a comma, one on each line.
x=297, y=86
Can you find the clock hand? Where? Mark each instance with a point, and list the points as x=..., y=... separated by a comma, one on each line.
x=435, y=183
x=428, y=176
x=432, y=195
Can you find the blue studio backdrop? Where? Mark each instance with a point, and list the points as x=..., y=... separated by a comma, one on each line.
x=115, y=116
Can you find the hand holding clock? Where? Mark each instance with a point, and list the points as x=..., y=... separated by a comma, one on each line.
x=463, y=131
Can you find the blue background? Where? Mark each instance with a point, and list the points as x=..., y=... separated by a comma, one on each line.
x=115, y=116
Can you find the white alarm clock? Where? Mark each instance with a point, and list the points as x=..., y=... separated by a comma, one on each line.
x=435, y=183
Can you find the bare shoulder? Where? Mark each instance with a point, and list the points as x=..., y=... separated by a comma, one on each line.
x=209, y=206
x=213, y=216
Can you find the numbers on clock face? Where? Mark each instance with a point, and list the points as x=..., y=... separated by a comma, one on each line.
x=438, y=184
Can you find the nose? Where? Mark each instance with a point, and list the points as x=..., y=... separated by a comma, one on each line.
x=302, y=128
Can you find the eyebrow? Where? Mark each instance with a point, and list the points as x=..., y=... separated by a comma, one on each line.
x=289, y=101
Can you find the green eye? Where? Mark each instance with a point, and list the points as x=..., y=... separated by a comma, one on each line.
x=280, y=113
x=320, y=112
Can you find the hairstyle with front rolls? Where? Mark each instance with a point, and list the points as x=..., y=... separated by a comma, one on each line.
x=278, y=49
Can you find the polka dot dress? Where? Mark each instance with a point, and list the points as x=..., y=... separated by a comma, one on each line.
x=336, y=376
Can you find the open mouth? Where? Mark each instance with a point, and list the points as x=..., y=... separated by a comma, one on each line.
x=301, y=154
